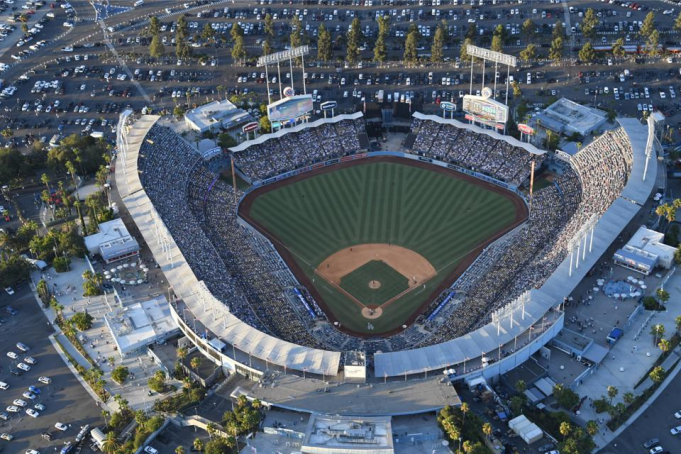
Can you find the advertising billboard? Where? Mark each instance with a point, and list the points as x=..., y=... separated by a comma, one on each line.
x=448, y=106
x=486, y=110
x=290, y=108
x=252, y=126
x=328, y=105
x=526, y=129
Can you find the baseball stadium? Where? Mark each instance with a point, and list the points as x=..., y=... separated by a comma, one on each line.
x=437, y=257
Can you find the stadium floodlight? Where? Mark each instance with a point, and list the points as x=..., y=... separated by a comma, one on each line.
x=283, y=56
x=486, y=54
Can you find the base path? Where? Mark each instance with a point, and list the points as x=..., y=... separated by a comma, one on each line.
x=408, y=263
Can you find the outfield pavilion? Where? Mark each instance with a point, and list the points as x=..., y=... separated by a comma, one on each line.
x=252, y=352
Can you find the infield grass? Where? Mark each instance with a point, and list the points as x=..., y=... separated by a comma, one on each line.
x=440, y=216
x=392, y=283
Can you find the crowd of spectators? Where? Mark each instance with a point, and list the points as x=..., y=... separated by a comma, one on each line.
x=595, y=178
x=298, y=149
x=475, y=151
x=245, y=272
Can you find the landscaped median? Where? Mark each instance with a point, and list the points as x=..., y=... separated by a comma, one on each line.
x=92, y=376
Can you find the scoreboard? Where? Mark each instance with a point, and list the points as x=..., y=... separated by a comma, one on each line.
x=485, y=110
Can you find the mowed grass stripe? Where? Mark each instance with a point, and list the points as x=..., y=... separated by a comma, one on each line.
x=425, y=211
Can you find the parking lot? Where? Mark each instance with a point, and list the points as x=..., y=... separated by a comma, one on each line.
x=64, y=399
x=74, y=85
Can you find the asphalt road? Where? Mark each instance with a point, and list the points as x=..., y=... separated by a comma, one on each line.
x=655, y=422
x=65, y=399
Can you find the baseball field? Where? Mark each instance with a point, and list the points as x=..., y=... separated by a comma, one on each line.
x=376, y=240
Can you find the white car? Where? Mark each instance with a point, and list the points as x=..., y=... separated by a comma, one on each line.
x=32, y=413
x=22, y=347
x=656, y=450
x=9, y=290
x=12, y=355
x=32, y=451
x=3, y=385
x=676, y=430
x=6, y=436
x=13, y=409
x=24, y=367
x=30, y=360
x=60, y=426
x=40, y=407
x=29, y=395
x=19, y=402
x=45, y=380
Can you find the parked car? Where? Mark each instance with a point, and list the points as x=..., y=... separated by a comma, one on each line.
x=60, y=426
x=45, y=380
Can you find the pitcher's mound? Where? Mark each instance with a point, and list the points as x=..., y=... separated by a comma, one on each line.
x=374, y=285
x=372, y=313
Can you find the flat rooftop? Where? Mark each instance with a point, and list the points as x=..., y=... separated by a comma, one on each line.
x=577, y=116
x=377, y=399
x=341, y=433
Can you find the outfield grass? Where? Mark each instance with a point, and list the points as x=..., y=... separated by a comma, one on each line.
x=440, y=216
x=356, y=283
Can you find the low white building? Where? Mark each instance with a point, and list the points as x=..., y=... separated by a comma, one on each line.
x=645, y=251
x=567, y=117
x=141, y=324
x=216, y=115
x=348, y=435
x=113, y=242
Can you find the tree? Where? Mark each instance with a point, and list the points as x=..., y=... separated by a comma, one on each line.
x=497, y=44
x=521, y=386
x=324, y=44
x=154, y=26
x=618, y=48
x=612, y=393
x=558, y=31
x=86, y=151
x=487, y=429
x=7, y=133
x=664, y=345
x=380, y=48
x=182, y=49
x=110, y=444
x=565, y=397
x=156, y=48
x=528, y=29
x=436, y=50
x=296, y=37
x=517, y=403
x=120, y=374
x=463, y=52
x=556, y=50
x=587, y=53
x=219, y=445
x=269, y=26
x=677, y=321
x=529, y=53
x=179, y=450
x=652, y=44
x=411, y=48
x=662, y=295
x=628, y=398
x=589, y=24
x=657, y=374
x=472, y=32
x=265, y=125
x=195, y=363
x=592, y=427
x=13, y=165
x=157, y=382
x=82, y=321
x=464, y=409
x=207, y=33
x=501, y=32
x=267, y=47
x=677, y=22
x=182, y=353
x=516, y=89
x=648, y=26
x=14, y=269
x=658, y=332
x=355, y=37
x=198, y=444
x=238, y=48
x=565, y=428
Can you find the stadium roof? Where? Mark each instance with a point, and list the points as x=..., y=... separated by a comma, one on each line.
x=560, y=284
x=478, y=130
x=187, y=286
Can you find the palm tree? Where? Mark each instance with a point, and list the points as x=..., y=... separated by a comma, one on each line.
x=657, y=331
x=664, y=345
x=179, y=450
x=628, y=398
x=110, y=444
x=521, y=386
x=612, y=393
x=45, y=179
x=464, y=409
x=677, y=320
x=182, y=353
x=195, y=363
x=105, y=415
x=487, y=429
x=592, y=427
x=87, y=274
x=220, y=88
x=565, y=429
x=198, y=444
